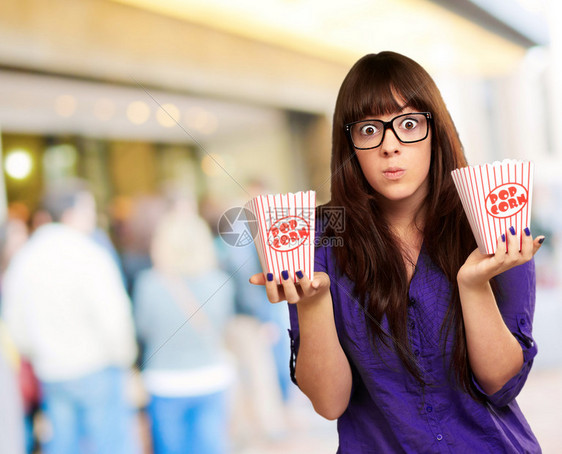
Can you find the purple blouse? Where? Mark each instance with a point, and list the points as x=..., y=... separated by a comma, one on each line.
x=389, y=411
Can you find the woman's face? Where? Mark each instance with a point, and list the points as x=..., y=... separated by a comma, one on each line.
x=398, y=171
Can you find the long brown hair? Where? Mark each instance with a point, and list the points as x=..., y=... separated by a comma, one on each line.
x=372, y=256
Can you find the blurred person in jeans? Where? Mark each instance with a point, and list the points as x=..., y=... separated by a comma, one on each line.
x=68, y=312
x=17, y=381
x=181, y=307
x=12, y=437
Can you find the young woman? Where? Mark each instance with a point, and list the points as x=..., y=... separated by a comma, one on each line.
x=408, y=335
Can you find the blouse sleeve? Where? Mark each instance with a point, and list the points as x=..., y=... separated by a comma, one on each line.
x=320, y=265
x=515, y=295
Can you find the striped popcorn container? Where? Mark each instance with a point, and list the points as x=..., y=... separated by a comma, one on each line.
x=495, y=197
x=284, y=232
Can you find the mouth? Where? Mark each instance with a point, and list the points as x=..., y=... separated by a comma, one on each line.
x=393, y=173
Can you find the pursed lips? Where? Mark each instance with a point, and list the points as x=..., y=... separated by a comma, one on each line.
x=393, y=173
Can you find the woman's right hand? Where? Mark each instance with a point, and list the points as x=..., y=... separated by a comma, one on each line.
x=303, y=291
x=322, y=369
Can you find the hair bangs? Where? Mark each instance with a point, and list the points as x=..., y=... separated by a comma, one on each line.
x=379, y=101
x=415, y=97
x=382, y=91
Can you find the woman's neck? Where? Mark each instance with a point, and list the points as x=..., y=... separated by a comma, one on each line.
x=406, y=216
x=405, y=220
x=407, y=223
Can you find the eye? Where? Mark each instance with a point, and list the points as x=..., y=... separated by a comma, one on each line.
x=408, y=124
x=368, y=129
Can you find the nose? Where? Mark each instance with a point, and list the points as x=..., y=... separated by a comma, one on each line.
x=390, y=144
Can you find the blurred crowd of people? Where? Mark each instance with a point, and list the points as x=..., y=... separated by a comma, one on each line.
x=157, y=344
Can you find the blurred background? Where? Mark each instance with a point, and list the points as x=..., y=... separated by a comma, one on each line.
x=209, y=102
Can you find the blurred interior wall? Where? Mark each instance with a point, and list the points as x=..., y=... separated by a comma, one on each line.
x=105, y=40
x=497, y=116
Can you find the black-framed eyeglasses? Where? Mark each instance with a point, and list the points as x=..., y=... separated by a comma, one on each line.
x=408, y=128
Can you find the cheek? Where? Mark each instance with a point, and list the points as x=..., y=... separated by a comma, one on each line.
x=367, y=165
x=424, y=160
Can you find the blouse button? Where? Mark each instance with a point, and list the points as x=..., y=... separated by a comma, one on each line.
x=417, y=352
x=429, y=408
x=522, y=321
x=439, y=437
x=412, y=301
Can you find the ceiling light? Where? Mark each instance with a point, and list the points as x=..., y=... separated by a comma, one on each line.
x=18, y=164
x=138, y=112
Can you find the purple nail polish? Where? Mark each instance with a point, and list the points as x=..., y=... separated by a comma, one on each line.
x=541, y=240
x=503, y=237
x=299, y=274
x=285, y=274
x=527, y=231
x=269, y=277
x=512, y=230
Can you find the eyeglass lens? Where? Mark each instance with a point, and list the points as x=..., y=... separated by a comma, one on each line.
x=408, y=128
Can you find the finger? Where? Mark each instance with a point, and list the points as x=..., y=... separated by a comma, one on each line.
x=315, y=284
x=501, y=247
x=305, y=283
x=258, y=279
x=537, y=243
x=321, y=280
x=513, y=244
x=273, y=291
x=499, y=256
x=527, y=246
x=291, y=293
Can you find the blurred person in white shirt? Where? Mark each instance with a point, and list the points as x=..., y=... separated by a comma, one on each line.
x=67, y=310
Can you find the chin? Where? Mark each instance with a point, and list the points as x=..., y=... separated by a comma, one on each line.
x=401, y=193
x=395, y=196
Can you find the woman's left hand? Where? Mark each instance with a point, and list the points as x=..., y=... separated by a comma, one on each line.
x=479, y=268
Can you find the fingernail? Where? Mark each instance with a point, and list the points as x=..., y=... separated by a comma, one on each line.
x=541, y=240
x=527, y=231
x=503, y=237
x=512, y=230
x=269, y=277
x=299, y=274
x=285, y=274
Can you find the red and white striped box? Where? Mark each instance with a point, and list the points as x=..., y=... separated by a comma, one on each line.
x=495, y=197
x=284, y=232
